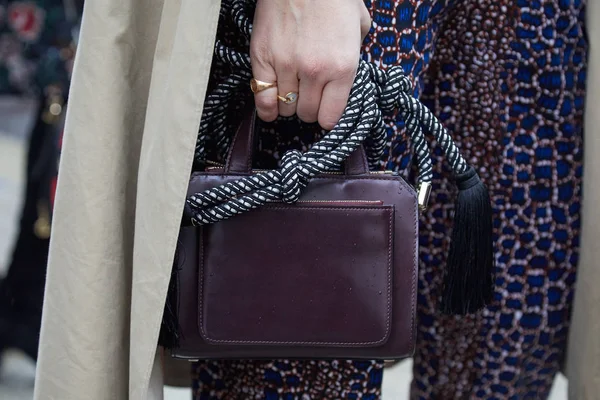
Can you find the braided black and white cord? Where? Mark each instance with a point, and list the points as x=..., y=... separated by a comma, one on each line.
x=374, y=90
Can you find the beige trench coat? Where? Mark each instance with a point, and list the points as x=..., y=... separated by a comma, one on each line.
x=139, y=83
x=583, y=356
x=136, y=100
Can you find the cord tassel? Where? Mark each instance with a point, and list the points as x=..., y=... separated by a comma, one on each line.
x=469, y=280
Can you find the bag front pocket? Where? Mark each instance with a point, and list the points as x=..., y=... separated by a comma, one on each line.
x=315, y=273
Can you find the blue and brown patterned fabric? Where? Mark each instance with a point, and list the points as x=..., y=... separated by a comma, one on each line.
x=507, y=77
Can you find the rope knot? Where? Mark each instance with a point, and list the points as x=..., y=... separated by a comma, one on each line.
x=291, y=180
x=395, y=84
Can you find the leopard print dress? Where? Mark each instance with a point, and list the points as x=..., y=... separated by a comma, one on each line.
x=507, y=77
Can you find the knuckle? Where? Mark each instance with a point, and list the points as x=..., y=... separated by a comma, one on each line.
x=344, y=69
x=330, y=69
x=285, y=63
x=312, y=69
x=259, y=50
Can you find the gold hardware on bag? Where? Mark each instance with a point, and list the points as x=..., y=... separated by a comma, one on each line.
x=424, y=192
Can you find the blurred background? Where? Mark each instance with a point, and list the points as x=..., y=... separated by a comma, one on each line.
x=37, y=48
x=38, y=42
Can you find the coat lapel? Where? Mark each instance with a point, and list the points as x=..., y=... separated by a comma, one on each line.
x=179, y=81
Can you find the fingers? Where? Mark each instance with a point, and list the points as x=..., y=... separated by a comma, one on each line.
x=322, y=91
x=265, y=100
x=296, y=45
x=261, y=56
x=287, y=82
x=334, y=101
x=309, y=100
x=317, y=101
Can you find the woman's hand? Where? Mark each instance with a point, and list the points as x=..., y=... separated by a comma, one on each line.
x=310, y=47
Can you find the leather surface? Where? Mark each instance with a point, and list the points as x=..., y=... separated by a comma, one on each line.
x=286, y=285
x=289, y=282
x=391, y=190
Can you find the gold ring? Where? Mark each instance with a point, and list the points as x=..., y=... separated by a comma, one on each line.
x=258, y=86
x=289, y=98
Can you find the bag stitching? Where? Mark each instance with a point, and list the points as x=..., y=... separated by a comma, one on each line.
x=385, y=337
x=399, y=179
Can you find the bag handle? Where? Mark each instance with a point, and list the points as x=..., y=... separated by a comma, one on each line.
x=240, y=156
x=374, y=91
x=468, y=283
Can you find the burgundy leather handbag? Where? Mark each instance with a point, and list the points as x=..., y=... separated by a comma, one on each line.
x=333, y=275
x=305, y=261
